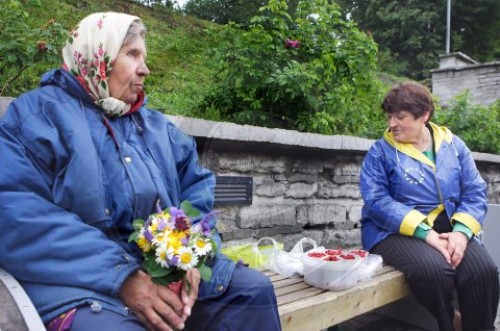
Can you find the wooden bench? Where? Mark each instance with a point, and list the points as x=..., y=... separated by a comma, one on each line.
x=304, y=307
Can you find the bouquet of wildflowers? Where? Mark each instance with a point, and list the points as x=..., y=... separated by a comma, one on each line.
x=171, y=244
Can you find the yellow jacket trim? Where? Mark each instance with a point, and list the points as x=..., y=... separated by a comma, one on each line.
x=434, y=214
x=467, y=220
x=410, y=222
x=439, y=133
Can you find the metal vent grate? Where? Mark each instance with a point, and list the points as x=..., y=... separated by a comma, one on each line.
x=233, y=190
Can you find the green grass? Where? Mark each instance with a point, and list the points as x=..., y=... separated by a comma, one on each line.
x=178, y=45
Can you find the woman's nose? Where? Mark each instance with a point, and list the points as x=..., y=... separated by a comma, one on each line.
x=143, y=69
x=391, y=121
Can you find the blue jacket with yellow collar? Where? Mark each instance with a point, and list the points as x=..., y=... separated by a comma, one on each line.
x=401, y=187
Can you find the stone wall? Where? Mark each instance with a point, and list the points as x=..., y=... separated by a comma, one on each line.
x=457, y=73
x=304, y=184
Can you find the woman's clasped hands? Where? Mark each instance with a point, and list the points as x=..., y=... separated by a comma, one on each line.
x=157, y=306
x=451, y=244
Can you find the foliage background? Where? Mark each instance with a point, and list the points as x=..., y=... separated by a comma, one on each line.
x=190, y=62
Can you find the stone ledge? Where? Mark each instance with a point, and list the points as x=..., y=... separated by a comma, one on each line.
x=225, y=131
x=247, y=133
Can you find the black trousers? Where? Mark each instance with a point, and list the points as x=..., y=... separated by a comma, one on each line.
x=433, y=281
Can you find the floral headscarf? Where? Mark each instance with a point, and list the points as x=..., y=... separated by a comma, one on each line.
x=90, y=52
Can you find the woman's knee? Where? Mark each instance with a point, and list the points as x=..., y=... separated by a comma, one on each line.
x=432, y=271
x=253, y=285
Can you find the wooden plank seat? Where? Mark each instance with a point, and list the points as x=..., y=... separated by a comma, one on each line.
x=304, y=307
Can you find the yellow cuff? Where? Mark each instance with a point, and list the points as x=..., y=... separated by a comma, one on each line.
x=410, y=222
x=467, y=220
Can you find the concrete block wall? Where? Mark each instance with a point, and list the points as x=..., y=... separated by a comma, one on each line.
x=304, y=184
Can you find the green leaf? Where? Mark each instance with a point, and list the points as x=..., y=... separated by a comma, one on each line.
x=189, y=210
x=205, y=272
x=154, y=269
x=133, y=236
x=138, y=224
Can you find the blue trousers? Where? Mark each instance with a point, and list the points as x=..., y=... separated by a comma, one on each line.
x=248, y=304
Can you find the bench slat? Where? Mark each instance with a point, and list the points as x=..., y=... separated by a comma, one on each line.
x=304, y=307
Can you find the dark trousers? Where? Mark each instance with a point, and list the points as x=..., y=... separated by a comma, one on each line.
x=433, y=281
x=248, y=304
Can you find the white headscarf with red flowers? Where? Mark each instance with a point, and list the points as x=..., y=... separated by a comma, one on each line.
x=90, y=52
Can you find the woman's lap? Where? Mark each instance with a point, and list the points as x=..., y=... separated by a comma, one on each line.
x=249, y=303
x=433, y=281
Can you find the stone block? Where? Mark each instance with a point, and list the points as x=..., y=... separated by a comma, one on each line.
x=271, y=189
x=307, y=178
x=355, y=213
x=342, y=238
x=226, y=219
x=301, y=190
x=341, y=179
x=245, y=164
x=326, y=214
x=329, y=190
x=262, y=216
x=274, y=231
x=237, y=234
x=308, y=166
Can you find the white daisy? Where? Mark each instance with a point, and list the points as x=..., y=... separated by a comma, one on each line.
x=202, y=246
x=161, y=256
x=187, y=258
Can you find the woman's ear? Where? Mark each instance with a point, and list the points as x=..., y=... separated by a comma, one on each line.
x=425, y=116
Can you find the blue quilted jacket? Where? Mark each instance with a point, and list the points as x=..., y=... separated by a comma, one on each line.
x=401, y=187
x=72, y=181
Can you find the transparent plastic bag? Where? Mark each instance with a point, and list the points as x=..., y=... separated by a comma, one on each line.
x=340, y=275
x=253, y=254
x=289, y=264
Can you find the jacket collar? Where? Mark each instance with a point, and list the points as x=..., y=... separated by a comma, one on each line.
x=440, y=134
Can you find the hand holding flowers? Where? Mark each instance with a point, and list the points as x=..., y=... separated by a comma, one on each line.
x=171, y=243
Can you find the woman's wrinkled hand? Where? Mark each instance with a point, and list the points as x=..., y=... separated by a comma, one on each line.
x=189, y=291
x=156, y=306
x=457, y=244
x=441, y=244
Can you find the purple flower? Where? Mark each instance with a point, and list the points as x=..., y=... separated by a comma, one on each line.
x=182, y=223
x=148, y=235
x=292, y=43
x=205, y=223
x=176, y=212
x=174, y=261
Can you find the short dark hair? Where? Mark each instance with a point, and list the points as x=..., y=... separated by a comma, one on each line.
x=410, y=96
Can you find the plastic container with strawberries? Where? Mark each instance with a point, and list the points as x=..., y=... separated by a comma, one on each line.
x=333, y=269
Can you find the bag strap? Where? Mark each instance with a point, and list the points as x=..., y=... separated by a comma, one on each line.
x=255, y=245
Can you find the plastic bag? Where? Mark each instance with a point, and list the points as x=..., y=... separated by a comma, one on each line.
x=289, y=264
x=253, y=254
x=340, y=274
x=370, y=266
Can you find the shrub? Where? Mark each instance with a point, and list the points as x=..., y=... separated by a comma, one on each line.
x=311, y=72
x=23, y=46
x=478, y=126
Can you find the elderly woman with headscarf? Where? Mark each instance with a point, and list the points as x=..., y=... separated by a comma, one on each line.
x=82, y=157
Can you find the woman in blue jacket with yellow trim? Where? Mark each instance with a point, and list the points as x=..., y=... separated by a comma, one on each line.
x=424, y=203
x=82, y=157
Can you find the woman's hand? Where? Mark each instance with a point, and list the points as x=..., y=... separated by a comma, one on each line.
x=441, y=244
x=189, y=291
x=457, y=244
x=156, y=306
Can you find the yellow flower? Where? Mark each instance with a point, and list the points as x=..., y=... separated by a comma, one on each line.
x=143, y=244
